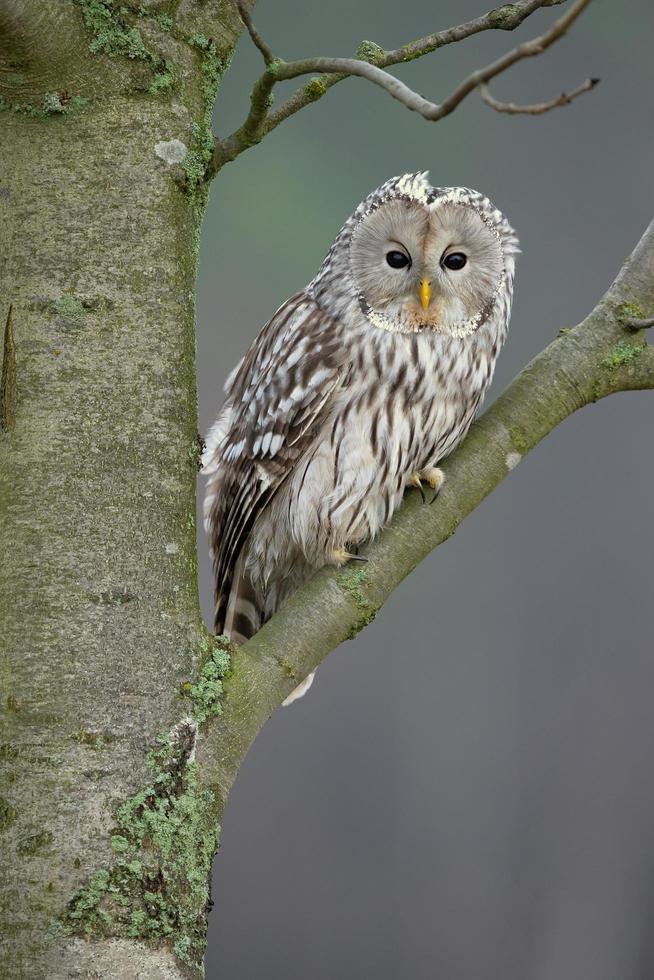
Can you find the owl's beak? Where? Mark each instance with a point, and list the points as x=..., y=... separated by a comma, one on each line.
x=425, y=293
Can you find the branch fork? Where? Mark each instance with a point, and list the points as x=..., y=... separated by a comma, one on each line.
x=372, y=65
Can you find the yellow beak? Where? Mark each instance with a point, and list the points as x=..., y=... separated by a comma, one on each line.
x=425, y=293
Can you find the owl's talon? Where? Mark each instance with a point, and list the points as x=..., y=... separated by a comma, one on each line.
x=339, y=556
x=435, y=478
x=415, y=481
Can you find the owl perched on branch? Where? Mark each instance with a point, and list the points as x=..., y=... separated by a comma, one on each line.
x=355, y=389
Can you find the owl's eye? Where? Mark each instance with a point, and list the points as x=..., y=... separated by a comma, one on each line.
x=455, y=261
x=397, y=260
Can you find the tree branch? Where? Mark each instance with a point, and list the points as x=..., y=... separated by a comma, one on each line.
x=371, y=65
x=537, y=108
x=634, y=323
x=598, y=357
x=258, y=41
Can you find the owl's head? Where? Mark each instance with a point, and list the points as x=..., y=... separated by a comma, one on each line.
x=429, y=258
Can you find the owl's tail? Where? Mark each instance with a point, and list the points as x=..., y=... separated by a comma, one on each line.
x=239, y=612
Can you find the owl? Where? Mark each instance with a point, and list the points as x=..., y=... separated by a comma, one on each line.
x=355, y=390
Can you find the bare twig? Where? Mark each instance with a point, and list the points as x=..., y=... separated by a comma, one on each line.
x=536, y=108
x=370, y=65
x=246, y=17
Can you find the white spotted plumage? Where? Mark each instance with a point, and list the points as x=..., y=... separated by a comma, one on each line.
x=352, y=389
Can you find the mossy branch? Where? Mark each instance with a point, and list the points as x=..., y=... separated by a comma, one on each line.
x=600, y=356
x=371, y=63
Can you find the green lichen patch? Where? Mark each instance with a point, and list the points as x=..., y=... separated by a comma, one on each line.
x=371, y=52
x=623, y=353
x=195, y=165
x=628, y=310
x=111, y=32
x=70, y=308
x=164, y=839
x=315, y=88
x=199, y=157
x=505, y=18
x=165, y=80
x=120, y=844
x=8, y=814
x=286, y=666
x=352, y=581
x=200, y=41
x=114, y=31
x=51, y=104
x=205, y=693
x=35, y=844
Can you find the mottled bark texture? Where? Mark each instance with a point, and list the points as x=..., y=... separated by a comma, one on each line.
x=100, y=625
x=116, y=760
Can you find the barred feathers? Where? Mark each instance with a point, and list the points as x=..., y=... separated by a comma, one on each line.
x=276, y=402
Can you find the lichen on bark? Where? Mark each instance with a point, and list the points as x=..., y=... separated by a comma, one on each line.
x=164, y=839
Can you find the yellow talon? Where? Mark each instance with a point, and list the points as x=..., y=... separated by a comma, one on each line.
x=434, y=477
x=339, y=556
x=415, y=481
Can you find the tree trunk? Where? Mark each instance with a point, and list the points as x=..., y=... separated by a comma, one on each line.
x=98, y=457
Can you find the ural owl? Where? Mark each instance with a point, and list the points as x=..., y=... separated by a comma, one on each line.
x=354, y=390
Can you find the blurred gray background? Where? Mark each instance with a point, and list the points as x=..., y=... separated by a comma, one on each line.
x=467, y=793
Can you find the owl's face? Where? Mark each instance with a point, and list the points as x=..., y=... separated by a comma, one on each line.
x=434, y=264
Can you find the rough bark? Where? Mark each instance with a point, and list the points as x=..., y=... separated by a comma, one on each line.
x=117, y=751
x=98, y=594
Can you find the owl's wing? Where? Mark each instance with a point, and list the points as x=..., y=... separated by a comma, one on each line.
x=277, y=399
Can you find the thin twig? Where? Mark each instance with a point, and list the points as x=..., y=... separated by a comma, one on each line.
x=505, y=18
x=261, y=121
x=536, y=108
x=246, y=17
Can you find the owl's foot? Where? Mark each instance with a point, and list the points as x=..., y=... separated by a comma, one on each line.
x=415, y=481
x=339, y=556
x=433, y=476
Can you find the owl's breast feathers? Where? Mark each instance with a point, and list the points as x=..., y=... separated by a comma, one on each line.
x=325, y=419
